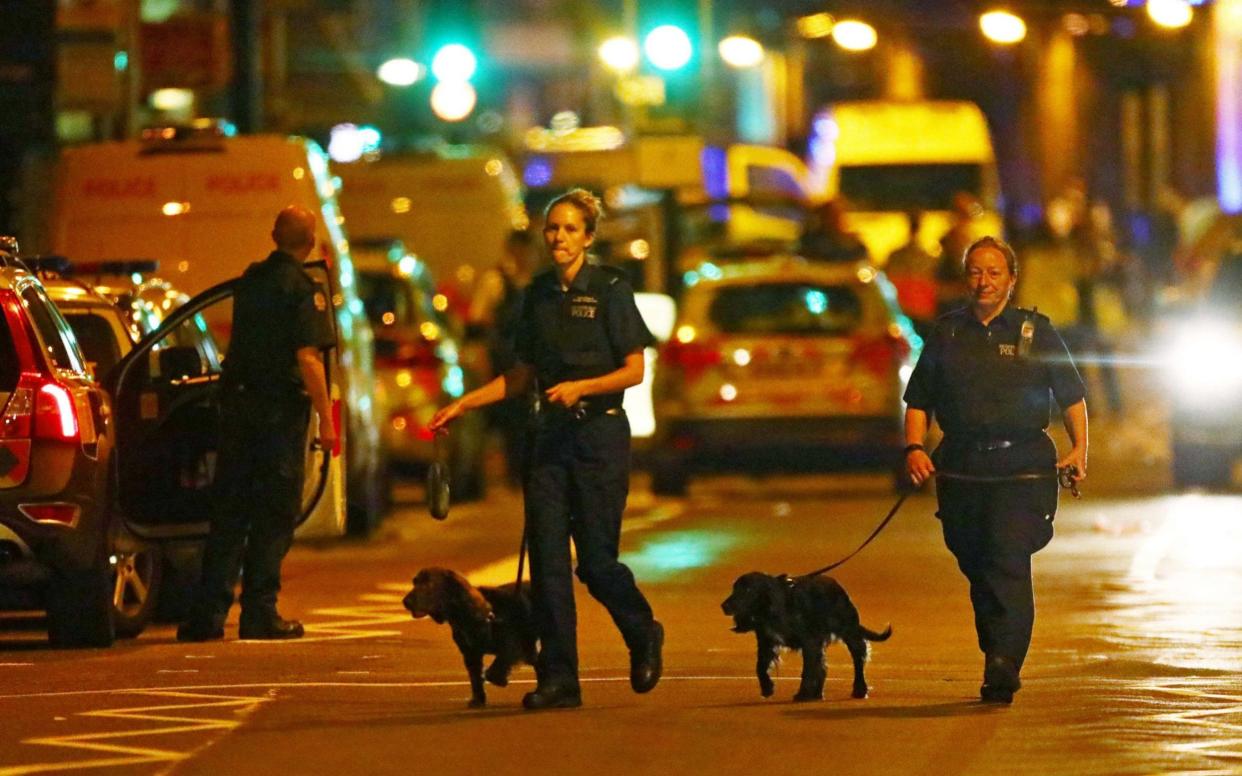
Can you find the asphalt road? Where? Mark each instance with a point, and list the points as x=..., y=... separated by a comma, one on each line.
x=1134, y=667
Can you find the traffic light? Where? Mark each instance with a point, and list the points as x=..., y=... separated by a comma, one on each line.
x=668, y=47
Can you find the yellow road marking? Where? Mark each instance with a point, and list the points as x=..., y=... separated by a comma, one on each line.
x=121, y=754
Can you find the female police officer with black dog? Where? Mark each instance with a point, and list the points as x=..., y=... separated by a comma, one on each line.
x=580, y=344
x=987, y=374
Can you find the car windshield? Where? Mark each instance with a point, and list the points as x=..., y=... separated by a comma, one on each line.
x=388, y=299
x=786, y=308
x=908, y=186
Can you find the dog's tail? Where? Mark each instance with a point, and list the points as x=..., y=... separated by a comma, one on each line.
x=870, y=635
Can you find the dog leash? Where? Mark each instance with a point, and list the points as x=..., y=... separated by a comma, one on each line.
x=1064, y=476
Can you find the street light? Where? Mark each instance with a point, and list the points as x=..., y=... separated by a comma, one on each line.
x=1171, y=14
x=740, y=51
x=817, y=25
x=619, y=54
x=400, y=71
x=853, y=35
x=668, y=47
x=1002, y=27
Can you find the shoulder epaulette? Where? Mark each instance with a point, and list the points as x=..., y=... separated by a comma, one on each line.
x=613, y=274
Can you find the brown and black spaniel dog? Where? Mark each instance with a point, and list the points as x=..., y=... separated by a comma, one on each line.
x=485, y=621
x=803, y=614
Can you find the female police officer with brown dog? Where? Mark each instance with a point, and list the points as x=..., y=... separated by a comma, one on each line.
x=988, y=375
x=579, y=344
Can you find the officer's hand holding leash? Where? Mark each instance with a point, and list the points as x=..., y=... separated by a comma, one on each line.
x=446, y=415
x=919, y=464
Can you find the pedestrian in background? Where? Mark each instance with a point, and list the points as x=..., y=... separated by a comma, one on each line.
x=828, y=239
x=273, y=376
x=913, y=273
x=988, y=376
x=494, y=314
x=579, y=345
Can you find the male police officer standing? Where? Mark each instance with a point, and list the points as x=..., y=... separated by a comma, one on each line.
x=987, y=374
x=272, y=377
x=580, y=340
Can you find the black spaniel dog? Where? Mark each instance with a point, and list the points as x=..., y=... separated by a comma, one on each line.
x=803, y=614
x=485, y=621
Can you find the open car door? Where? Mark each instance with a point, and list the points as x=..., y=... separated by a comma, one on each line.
x=167, y=419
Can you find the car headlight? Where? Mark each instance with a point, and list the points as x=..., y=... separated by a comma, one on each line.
x=1203, y=359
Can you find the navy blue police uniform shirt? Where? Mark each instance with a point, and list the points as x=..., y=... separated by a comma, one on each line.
x=277, y=310
x=971, y=378
x=579, y=333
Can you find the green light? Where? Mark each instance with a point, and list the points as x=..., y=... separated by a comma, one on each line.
x=668, y=47
x=454, y=63
x=120, y=61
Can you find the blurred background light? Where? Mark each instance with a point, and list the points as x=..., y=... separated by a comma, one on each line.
x=172, y=99
x=1002, y=27
x=741, y=51
x=853, y=35
x=453, y=101
x=400, y=71
x=454, y=63
x=619, y=54
x=817, y=25
x=668, y=47
x=1171, y=14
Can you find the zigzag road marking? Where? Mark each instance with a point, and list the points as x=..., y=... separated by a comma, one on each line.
x=120, y=754
x=365, y=620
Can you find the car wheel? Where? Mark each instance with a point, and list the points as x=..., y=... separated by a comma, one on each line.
x=137, y=574
x=1198, y=467
x=79, y=608
x=670, y=475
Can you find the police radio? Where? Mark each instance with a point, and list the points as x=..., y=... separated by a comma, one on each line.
x=1026, y=336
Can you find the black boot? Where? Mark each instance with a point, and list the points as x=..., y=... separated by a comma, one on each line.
x=1000, y=680
x=647, y=661
x=553, y=694
x=273, y=627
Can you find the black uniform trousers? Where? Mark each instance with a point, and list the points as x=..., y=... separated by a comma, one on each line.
x=258, y=489
x=576, y=487
x=993, y=529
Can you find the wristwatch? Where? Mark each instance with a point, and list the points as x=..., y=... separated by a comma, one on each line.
x=911, y=448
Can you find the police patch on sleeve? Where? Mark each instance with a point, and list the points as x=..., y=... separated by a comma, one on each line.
x=321, y=303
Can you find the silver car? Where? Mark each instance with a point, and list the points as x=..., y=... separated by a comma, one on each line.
x=783, y=363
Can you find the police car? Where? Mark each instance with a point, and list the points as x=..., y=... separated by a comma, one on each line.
x=58, y=537
x=782, y=363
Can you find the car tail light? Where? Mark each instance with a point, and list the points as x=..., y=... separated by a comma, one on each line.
x=880, y=355
x=57, y=513
x=693, y=358
x=40, y=408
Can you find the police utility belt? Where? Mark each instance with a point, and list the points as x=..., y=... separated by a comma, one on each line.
x=985, y=443
x=583, y=410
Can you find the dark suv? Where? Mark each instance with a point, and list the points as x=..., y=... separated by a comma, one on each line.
x=55, y=448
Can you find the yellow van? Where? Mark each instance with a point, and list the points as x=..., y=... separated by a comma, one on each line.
x=452, y=206
x=887, y=158
x=202, y=203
